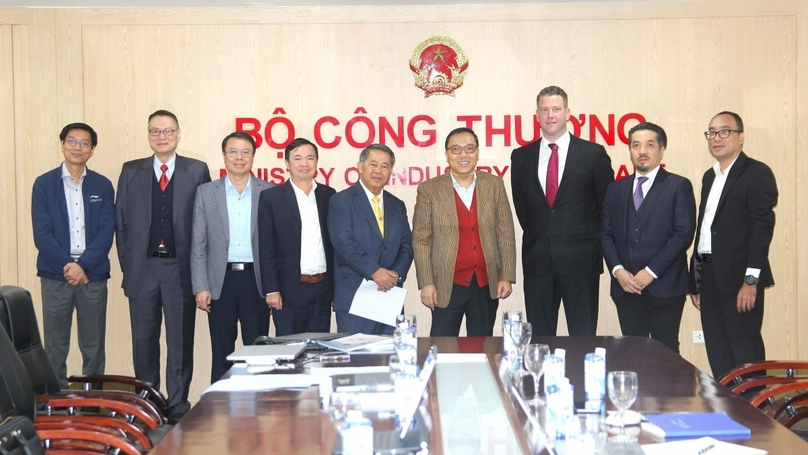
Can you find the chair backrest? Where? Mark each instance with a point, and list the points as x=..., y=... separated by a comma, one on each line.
x=16, y=393
x=18, y=317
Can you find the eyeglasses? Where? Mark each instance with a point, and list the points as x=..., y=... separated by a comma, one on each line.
x=723, y=134
x=83, y=144
x=239, y=153
x=456, y=149
x=154, y=132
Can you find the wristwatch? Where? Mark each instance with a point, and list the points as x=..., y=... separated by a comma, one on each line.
x=751, y=280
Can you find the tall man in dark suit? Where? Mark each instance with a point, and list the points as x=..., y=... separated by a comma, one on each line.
x=558, y=184
x=648, y=223
x=464, y=242
x=225, y=265
x=729, y=269
x=371, y=237
x=73, y=214
x=155, y=211
x=297, y=259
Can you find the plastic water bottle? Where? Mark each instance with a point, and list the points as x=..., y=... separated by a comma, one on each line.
x=595, y=380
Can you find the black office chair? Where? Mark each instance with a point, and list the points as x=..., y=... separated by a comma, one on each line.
x=18, y=317
x=17, y=398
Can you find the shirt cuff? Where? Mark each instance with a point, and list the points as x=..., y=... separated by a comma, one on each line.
x=648, y=269
x=616, y=268
x=754, y=272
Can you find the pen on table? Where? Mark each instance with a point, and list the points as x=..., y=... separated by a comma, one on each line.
x=706, y=449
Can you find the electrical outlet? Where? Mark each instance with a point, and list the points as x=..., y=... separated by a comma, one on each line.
x=698, y=337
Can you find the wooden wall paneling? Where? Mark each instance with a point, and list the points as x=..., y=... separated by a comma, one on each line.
x=8, y=235
x=800, y=231
x=212, y=65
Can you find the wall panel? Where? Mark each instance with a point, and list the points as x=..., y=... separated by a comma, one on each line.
x=676, y=63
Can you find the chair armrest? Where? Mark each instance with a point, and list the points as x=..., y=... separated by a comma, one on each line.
x=147, y=390
x=94, y=437
x=116, y=395
x=775, y=390
x=94, y=423
x=734, y=375
x=127, y=409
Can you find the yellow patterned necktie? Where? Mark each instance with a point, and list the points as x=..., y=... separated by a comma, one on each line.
x=379, y=215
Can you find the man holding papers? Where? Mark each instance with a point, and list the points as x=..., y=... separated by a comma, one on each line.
x=371, y=237
x=464, y=242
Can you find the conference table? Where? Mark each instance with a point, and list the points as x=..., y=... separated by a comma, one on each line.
x=292, y=421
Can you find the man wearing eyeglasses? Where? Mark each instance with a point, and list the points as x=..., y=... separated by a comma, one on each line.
x=154, y=216
x=225, y=266
x=464, y=242
x=73, y=214
x=729, y=269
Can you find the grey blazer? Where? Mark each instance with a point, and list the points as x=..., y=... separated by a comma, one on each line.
x=133, y=209
x=211, y=236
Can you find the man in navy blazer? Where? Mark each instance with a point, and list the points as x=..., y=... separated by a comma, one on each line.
x=558, y=184
x=371, y=237
x=730, y=269
x=297, y=259
x=649, y=220
x=73, y=215
x=155, y=209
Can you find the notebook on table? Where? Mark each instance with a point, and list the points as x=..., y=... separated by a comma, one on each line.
x=267, y=354
x=697, y=424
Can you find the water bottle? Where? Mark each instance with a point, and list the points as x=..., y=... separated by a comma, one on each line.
x=595, y=381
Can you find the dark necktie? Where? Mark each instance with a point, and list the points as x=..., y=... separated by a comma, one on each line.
x=163, y=178
x=551, y=184
x=638, y=197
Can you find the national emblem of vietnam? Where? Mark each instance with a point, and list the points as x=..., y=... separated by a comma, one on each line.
x=438, y=66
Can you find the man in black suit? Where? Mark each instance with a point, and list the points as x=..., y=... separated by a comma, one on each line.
x=729, y=269
x=558, y=184
x=155, y=209
x=297, y=259
x=648, y=223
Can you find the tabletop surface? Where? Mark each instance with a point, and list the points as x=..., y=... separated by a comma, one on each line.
x=291, y=421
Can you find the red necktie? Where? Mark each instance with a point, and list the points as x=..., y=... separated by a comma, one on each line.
x=163, y=178
x=551, y=184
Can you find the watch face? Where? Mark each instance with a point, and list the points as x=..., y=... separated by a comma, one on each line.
x=750, y=279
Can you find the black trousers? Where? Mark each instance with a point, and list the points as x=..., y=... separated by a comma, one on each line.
x=307, y=311
x=731, y=338
x=473, y=302
x=240, y=301
x=543, y=297
x=161, y=294
x=644, y=315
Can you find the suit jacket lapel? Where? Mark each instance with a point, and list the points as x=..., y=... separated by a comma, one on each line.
x=660, y=182
x=220, y=199
x=445, y=200
x=145, y=176
x=573, y=157
x=734, y=173
x=532, y=165
x=322, y=209
x=288, y=195
x=363, y=205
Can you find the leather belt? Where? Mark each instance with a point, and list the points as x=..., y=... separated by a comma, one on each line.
x=706, y=258
x=239, y=266
x=162, y=255
x=313, y=279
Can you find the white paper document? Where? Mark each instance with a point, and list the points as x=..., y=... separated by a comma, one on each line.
x=263, y=382
x=371, y=303
x=701, y=446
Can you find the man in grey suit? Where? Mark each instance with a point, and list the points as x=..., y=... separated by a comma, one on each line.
x=154, y=212
x=225, y=269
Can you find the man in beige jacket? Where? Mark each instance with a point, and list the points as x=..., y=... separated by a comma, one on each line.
x=464, y=242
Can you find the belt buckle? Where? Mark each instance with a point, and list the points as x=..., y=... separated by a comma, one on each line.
x=238, y=267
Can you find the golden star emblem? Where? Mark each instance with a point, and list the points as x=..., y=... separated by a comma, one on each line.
x=438, y=53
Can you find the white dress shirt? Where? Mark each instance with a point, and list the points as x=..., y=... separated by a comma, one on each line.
x=75, y=210
x=312, y=249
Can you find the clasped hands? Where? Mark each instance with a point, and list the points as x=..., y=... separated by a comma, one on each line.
x=633, y=284
x=74, y=274
x=385, y=279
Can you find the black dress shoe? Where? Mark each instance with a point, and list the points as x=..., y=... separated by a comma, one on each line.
x=174, y=416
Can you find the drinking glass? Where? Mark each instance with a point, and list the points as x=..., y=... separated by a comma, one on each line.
x=622, y=386
x=520, y=334
x=535, y=355
x=586, y=434
x=509, y=318
x=340, y=405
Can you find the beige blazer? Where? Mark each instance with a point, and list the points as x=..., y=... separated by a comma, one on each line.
x=435, y=235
